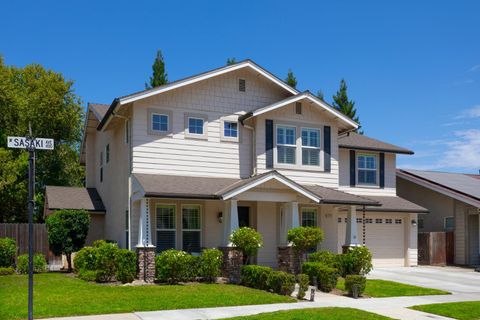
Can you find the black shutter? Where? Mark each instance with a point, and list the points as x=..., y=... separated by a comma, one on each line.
x=382, y=170
x=269, y=142
x=352, y=168
x=327, y=148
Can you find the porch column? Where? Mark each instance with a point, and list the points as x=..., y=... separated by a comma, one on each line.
x=145, y=248
x=412, y=239
x=230, y=221
x=351, y=237
x=287, y=259
x=232, y=258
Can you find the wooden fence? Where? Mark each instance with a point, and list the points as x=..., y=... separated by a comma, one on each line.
x=19, y=232
x=435, y=248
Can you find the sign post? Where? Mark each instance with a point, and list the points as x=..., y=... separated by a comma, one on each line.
x=31, y=144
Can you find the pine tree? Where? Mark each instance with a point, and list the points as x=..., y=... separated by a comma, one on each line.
x=159, y=76
x=231, y=61
x=291, y=80
x=343, y=104
x=320, y=95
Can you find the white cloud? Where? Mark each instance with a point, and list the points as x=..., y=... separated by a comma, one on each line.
x=471, y=113
x=474, y=68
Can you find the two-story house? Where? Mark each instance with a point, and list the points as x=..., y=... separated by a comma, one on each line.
x=185, y=164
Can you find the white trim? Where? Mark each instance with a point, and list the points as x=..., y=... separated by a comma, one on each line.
x=269, y=177
x=295, y=145
x=315, y=209
x=222, y=130
x=377, y=171
x=319, y=148
x=157, y=205
x=200, y=211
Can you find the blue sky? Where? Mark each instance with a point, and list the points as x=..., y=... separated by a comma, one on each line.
x=413, y=67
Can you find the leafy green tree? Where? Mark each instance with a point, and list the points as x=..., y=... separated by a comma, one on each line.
x=159, y=76
x=67, y=232
x=343, y=104
x=304, y=238
x=45, y=99
x=291, y=80
x=248, y=241
x=231, y=61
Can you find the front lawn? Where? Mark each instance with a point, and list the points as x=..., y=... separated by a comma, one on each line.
x=383, y=288
x=57, y=294
x=316, y=314
x=458, y=310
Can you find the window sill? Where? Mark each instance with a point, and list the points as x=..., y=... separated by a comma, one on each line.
x=292, y=167
x=229, y=139
x=367, y=186
x=196, y=136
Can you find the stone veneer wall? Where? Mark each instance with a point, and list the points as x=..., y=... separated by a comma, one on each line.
x=231, y=264
x=146, y=263
x=288, y=261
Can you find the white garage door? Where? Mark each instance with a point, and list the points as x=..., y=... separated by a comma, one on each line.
x=384, y=236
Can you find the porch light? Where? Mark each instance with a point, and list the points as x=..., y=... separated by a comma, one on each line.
x=220, y=217
x=414, y=222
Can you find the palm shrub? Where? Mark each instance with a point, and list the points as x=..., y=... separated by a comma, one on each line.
x=8, y=249
x=248, y=241
x=209, y=264
x=304, y=238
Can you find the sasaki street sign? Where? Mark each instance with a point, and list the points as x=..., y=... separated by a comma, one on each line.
x=27, y=143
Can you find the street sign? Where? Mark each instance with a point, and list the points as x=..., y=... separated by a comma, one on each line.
x=26, y=143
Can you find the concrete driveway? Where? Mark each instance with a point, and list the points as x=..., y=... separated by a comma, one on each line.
x=452, y=279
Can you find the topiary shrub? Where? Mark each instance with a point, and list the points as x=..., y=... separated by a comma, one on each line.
x=248, y=241
x=326, y=257
x=326, y=276
x=8, y=250
x=105, y=261
x=254, y=276
x=304, y=238
x=358, y=260
x=39, y=263
x=303, y=282
x=87, y=275
x=281, y=282
x=355, y=280
x=125, y=265
x=85, y=259
x=210, y=263
x=6, y=271
x=174, y=266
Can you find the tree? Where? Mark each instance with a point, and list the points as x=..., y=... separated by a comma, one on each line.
x=343, y=104
x=291, y=80
x=248, y=241
x=231, y=61
x=304, y=238
x=45, y=99
x=320, y=95
x=67, y=232
x=159, y=76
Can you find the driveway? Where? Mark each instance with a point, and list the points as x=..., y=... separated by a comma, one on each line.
x=452, y=279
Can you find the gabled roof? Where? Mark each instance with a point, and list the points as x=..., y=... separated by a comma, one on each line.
x=301, y=96
x=193, y=79
x=73, y=198
x=395, y=204
x=353, y=140
x=98, y=109
x=459, y=186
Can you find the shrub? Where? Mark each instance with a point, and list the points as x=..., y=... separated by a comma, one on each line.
x=85, y=259
x=303, y=282
x=281, y=282
x=39, y=263
x=210, y=264
x=87, y=275
x=352, y=280
x=326, y=257
x=304, y=238
x=358, y=260
x=105, y=261
x=6, y=271
x=126, y=265
x=325, y=275
x=8, y=249
x=173, y=266
x=247, y=240
x=255, y=276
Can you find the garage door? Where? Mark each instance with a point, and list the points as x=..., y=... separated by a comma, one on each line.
x=384, y=236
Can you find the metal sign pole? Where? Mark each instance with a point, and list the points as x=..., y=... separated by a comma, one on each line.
x=31, y=206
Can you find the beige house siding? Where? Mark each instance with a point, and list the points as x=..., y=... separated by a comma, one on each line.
x=268, y=226
x=460, y=233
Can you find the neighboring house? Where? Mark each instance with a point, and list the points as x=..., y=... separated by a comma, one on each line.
x=453, y=200
x=185, y=164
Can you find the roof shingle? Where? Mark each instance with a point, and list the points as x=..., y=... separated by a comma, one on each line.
x=354, y=140
x=73, y=198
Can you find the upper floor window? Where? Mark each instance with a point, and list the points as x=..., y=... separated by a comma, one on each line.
x=107, y=153
x=367, y=169
x=195, y=125
x=159, y=122
x=230, y=129
x=310, y=147
x=286, y=144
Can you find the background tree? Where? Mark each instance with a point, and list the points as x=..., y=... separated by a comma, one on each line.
x=159, y=76
x=320, y=95
x=231, y=61
x=67, y=232
x=343, y=104
x=44, y=98
x=291, y=80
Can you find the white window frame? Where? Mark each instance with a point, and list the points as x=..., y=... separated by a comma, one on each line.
x=202, y=117
x=315, y=215
x=222, y=130
x=158, y=205
x=286, y=145
x=377, y=175
x=319, y=148
x=159, y=112
x=445, y=223
x=200, y=222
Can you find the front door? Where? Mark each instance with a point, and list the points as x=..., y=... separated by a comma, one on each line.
x=243, y=217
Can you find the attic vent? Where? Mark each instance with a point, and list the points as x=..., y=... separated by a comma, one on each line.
x=241, y=85
x=298, y=108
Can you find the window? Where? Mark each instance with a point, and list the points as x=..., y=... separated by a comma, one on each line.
x=165, y=215
x=230, y=129
x=107, y=153
x=449, y=223
x=378, y=220
x=368, y=220
x=398, y=221
x=159, y=122
x=388, y=221
x=367, y=169
x=191, y=228
x=195, y=125
x=309, y=217
x=310, y=147
x=339, y=220
x=127, y=131
x=286, y=144
x=241, y=85
x=359, y=220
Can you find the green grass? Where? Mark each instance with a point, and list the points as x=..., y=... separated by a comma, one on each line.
x=457, y=310
x=384, y=288
x=57, y=294
x=316, y=314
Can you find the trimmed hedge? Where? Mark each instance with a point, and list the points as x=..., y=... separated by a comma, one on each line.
x=352, y=280
x=126, y=265
x=358, y=260
x=85, y=259
x=87, y=275
x=254, y=276
x=325, y=275
x=6, y=271
x=39, y=263
x=105, y=261
x=209, y=264
x=8, y=250
x=281, y=282
x=303, y=282
x=174, y=266
x=326, y=257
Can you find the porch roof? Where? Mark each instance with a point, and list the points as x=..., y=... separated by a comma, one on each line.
x=73, y=198
x=395, y=204
x=187, y=187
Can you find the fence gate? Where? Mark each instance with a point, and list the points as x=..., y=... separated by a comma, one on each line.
x=435, y=248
